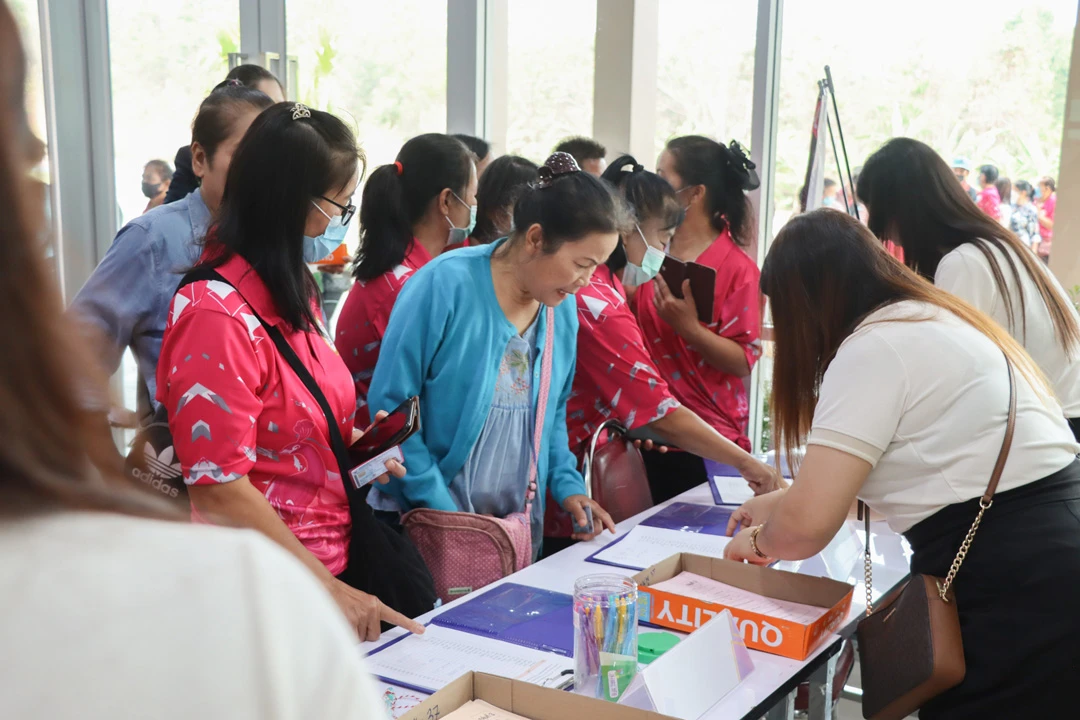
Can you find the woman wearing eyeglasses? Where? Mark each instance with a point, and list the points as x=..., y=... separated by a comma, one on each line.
x=411, y=211
x=252, y=441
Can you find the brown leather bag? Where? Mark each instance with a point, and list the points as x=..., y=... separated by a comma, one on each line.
x=615, y=474
x=910, y=649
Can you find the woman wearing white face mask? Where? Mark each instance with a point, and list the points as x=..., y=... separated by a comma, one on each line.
x=253, y=442
x=616, y=377
x=411, y=211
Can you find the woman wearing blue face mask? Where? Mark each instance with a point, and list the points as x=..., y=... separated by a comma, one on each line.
x=411, y=211
x=616, y=377
x=251, y=439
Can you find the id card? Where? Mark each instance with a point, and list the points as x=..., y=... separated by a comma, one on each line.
x=367, y=472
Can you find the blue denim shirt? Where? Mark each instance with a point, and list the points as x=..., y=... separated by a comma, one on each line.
x=127, y=296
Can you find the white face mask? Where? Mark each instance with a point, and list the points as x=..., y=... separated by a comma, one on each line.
x=634, y=275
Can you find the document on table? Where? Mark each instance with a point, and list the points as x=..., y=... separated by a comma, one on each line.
x=644, y=546
x=733, y=490
x=703, y=588
x=480, y=710
x=430, y=661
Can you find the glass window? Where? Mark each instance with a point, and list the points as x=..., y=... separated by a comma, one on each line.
x=984, y=81
x=550, y=74
x=705, y=70
x=381, y=66
x=26, y=18
x=165, y=58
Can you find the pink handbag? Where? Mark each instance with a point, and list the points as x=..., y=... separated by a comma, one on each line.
x=467, y=551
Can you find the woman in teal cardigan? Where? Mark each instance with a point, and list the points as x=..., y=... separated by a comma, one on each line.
x=467, y=334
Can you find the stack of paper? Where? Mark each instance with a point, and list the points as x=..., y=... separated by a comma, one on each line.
x=709, y=590
x=645, y=546
x=431, y=661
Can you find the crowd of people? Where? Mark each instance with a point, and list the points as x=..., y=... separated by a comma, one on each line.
x=523, y=305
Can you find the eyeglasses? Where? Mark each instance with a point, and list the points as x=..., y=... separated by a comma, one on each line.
x=347, y=211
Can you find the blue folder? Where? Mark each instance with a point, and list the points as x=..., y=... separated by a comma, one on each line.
x=518, y=614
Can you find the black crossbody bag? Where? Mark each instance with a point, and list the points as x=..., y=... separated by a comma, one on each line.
x=382, y=561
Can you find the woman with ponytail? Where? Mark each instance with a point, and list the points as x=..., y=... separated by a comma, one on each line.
x=616, y=377
x=705, y=363
x=411, y=210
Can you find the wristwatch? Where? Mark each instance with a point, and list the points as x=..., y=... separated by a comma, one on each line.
x=753, y=541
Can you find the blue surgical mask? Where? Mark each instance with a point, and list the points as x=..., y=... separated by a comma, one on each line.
x=460, y=235
x=317, y=248
x=829, y=201
x=635, y=275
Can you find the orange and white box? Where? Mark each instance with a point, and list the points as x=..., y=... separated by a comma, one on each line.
x=777, y=612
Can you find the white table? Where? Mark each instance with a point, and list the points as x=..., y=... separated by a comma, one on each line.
x=769, y=689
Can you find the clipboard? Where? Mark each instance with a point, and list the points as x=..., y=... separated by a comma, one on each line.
x=702, y=284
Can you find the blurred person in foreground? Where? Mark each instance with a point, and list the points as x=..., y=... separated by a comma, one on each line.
x=114, y=608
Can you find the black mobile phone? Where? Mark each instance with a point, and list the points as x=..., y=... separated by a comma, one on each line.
x=391, y=431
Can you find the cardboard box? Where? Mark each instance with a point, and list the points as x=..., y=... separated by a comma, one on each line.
x=759, y=632
x=522, y=698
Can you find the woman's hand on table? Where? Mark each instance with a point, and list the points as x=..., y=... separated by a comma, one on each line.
x=576, y=504
x=393, y=467
x=754, y=511
x=740, y=549
x=366, y=613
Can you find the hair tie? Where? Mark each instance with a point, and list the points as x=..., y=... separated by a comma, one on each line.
x=300, y=111
x=234, y=83
x=555, y=167
x=742, y=166
x=397, y=164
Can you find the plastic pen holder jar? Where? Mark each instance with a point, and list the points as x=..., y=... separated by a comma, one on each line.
x=605, y=635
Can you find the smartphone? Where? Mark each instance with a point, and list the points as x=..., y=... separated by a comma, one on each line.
x=703, y=288
x=673, y=271
x=382, y=441
x=588, y=527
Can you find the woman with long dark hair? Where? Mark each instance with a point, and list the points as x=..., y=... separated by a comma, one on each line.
x=914, y=200
x=253, y=443
x=616, y=376
x=705, y=363
x=901, y=392
x=113, y=606
x=411, y=210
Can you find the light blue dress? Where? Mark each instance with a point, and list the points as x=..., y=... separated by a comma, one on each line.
x=494, y=478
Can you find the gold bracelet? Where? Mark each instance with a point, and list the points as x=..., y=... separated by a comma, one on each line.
x=753, y=541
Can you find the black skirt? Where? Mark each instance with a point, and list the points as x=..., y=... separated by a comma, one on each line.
x=1018, y=595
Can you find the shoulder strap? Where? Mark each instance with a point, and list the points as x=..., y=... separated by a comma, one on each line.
x=337, y=442
x=541, y=404
x=1006, y=445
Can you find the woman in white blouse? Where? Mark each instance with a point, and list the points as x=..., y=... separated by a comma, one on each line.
x=901, y=393
x=914, y=200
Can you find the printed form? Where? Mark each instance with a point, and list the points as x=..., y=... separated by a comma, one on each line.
x=709, y=590
x=441, y=655
x=644, y=546
x=733, y=490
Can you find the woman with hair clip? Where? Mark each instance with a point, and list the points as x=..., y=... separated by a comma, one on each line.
x=467, y=336
x=114, y=607
x=907, y=188
x=127, y=296
x=185, y=180
x=902, y=393
x=616, y=377
x=251, y=435
x=704, y=363
x=498, y=190
x=411, y=211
